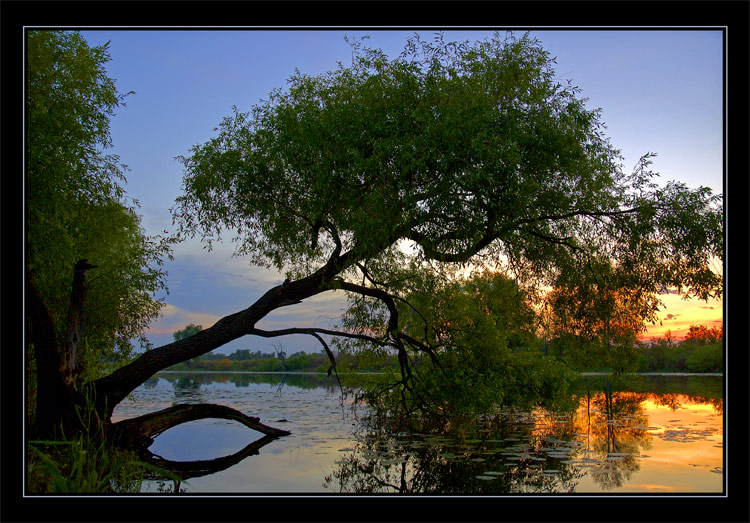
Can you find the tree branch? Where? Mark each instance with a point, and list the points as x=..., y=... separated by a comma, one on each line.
x=491, y=234
x=312, y=332
x=573, y=214
x=446, y=257
x=116, y=386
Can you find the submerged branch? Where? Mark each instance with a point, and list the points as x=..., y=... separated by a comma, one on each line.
x=142, y=429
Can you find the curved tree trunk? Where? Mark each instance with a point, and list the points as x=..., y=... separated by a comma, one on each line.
x=112, y=389
x=138, y=433
x=62, y=400
x=60, y=396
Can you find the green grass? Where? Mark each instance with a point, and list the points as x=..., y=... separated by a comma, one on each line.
x=86, y=463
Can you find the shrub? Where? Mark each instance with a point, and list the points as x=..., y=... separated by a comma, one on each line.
x=706, y=358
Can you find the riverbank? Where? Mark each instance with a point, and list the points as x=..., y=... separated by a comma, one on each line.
x=713, y=374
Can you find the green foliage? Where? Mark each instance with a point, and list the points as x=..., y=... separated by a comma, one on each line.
x=700, y=351
x=533, y=379
x=87, y=463
x=188, y=331
x=481, y=329
x=76, y=207
x=683, y=358
x=437, y=146
x=576, y=352
x=454, y=393
x=706, y=358
x=83, y=466
x=485, y=316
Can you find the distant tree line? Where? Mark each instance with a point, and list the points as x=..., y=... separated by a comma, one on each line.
x=700, y=351
x=248, y=361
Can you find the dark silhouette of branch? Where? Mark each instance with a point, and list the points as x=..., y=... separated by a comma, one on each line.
x=197, y=468
x=141, y=430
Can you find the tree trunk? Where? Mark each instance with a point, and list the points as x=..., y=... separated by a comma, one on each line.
x=61, y=395
x=112, y=389
x=58, y=367
x=64, y=406
x=53, y=396
x=70, y=360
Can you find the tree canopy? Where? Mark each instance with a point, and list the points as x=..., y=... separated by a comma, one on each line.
x=461, y=152
x=382, y=179
x=389, y=172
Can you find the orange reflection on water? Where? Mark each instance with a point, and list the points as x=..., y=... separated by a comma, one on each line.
x=672, y=444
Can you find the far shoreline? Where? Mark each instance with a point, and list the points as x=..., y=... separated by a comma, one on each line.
x=712, y=374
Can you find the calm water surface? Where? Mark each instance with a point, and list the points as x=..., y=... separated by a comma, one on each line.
x=656, y=435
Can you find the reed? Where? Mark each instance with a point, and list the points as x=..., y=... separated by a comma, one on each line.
x=87, y=463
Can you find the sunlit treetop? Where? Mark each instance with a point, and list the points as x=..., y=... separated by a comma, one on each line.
x=463, y=151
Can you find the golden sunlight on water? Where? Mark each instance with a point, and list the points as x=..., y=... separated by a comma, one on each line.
x=658, y=444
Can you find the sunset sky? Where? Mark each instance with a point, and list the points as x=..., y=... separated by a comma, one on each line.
x=659, y=91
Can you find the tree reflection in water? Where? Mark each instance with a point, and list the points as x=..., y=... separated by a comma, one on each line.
x=501, y=457
x=617, y=431
x=513, y=452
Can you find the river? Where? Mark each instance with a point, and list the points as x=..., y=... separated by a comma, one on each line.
x=656, y=434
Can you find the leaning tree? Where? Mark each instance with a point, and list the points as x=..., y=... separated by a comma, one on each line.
x=449, y=154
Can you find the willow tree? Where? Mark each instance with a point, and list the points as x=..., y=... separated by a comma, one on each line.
x=79, y=220
x=448, y=154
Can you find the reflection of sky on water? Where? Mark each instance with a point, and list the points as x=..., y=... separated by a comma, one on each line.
x=644, y=443
x=295, y=463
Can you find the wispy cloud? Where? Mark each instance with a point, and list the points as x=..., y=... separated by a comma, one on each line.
x=174, y=318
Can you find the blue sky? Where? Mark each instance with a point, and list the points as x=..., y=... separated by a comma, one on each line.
x=659, y=91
